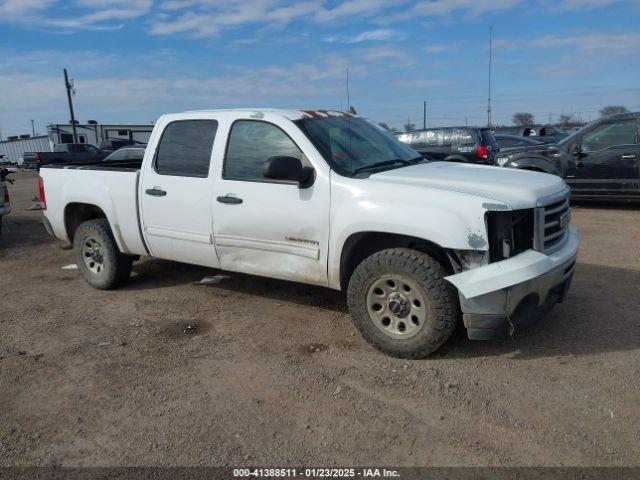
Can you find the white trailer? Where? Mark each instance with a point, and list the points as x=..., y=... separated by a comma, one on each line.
x=99, y=134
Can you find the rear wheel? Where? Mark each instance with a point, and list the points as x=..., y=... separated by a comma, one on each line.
x=99, y=260
x=401, y=304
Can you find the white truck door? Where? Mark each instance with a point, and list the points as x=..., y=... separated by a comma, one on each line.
x=176, y=191
x=267, y=227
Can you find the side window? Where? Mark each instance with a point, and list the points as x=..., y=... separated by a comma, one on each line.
x=447, y=137
x=428, y=138
x=185, y=148
x=462, y=136
x=251, y=144
x=135, y=154
x=91, y=149
x=406, y=138
x=118, y=155
x=610, y=134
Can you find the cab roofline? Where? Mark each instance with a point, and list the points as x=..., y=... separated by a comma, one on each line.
x=291, y=114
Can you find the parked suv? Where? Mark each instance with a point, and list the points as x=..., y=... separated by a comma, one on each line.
x=600, y=159
x=454, y=144
x=64, y=153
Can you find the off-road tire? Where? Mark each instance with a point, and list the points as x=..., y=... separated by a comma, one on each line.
x=116, y=265
x=442, y=312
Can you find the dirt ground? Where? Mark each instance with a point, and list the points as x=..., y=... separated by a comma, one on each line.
x=271, y=373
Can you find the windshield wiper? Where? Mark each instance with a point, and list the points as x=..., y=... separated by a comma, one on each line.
x=386, y=163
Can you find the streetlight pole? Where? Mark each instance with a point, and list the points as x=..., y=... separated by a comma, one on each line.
x=489, y=97
x=424, y=115
x=33, y=128
x=69, y=87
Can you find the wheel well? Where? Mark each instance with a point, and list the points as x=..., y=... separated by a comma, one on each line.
x=364, y=244
x=77, y=213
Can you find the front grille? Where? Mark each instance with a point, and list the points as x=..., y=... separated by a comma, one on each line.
x=552, y=222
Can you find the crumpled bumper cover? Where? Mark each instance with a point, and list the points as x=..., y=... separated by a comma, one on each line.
x=502, y=298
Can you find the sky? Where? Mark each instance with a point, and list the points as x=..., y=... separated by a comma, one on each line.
x=133, y=60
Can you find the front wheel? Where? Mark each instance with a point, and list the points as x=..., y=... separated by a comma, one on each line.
x=401, y=303
x=100, y=261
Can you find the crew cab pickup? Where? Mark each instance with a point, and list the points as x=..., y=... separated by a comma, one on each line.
x=601, y=160
x=330, y=199
x=64, y=153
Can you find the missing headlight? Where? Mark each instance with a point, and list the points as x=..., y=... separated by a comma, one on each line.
x=510, y=233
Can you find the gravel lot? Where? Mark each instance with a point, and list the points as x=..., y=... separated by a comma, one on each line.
x=257, y=371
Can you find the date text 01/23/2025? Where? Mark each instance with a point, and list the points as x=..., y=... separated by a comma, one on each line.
x=315, y=473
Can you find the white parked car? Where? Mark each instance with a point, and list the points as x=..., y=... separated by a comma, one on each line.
x=330, y=199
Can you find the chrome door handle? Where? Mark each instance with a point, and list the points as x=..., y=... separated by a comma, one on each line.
x=628, y=156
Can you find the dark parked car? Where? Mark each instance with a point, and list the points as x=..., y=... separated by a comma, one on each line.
x=602, y=158
x=64, y=153
x=127, y=154
x=454, y=144
x=511, y=141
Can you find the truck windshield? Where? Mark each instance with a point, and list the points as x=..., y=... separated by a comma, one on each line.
x=352, y=144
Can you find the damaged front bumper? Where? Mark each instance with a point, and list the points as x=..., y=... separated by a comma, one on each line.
x=504, y=297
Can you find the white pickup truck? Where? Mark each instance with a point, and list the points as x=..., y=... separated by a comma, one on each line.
x=330, y=199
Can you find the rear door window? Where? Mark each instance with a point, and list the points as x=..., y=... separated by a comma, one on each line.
x=185, y=148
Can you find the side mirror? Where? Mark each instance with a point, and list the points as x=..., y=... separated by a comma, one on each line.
x=289, y=169
x=576, y=149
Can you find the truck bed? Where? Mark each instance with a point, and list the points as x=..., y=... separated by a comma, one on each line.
x=111, y=187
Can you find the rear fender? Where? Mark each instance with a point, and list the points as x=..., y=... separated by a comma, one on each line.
x=95, y=193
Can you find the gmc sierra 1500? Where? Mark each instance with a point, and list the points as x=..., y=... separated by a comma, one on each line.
x=331, y=199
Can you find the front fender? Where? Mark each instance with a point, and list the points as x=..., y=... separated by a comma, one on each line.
x=451, y=220
x=539, y=163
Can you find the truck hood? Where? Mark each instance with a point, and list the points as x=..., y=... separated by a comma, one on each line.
x=516, y=188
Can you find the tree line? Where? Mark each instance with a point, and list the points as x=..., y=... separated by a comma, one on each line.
x=524, y=119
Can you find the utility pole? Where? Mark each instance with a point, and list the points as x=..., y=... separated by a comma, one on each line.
x=489, y=97
x=424, y=115
x=69, y=86
x=33, y=128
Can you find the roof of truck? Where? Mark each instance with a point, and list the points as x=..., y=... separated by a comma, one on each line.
x=287, y=113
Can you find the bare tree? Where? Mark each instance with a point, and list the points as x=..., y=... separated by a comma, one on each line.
x=384, y=125
x=523, y=119
x=564, y=120
x=612, y=110
x=409, y=127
